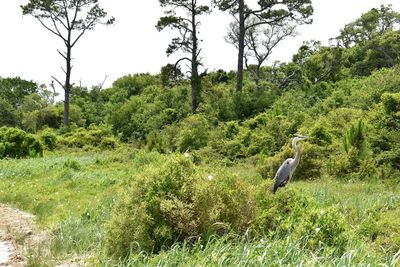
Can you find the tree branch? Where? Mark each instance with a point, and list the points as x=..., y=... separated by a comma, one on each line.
x=54, y=78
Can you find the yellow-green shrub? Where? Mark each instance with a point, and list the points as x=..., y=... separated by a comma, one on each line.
x=324, y=229
x=95, y=136
x=193, y=134
x=16, y=143
x=48, y=138
x=177, y=202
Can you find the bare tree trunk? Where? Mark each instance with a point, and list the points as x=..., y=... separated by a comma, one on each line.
x=239, y=77
x=195, y=76
x=67, y=86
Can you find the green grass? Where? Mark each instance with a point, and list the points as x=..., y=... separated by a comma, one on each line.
x=238, y=251
x=60, y=186
x=72, y=195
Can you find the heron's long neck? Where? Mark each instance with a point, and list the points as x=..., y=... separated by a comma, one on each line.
x=297, y=157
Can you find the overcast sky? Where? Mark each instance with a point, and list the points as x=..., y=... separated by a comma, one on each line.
x=133, y=45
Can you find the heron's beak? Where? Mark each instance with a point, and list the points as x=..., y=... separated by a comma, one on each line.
x=302, y=136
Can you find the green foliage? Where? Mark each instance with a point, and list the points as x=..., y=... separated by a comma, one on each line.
x=391, y=104
x=38, y=119
x=150, y=111
x=8, y=114
x=95, y=136
x=320, y=135
x=379, y=52
x=290, y=212
x=136, y=83
x=170, y=75
x=355, y=138
x=174, y=203
x=193, y=133
x=48, y=138
x=247, y=104
x=278, y=214
x=385, y=120
x=15, y=143
x=326, y=229
x=13, y=90
x=369, y=25
x=388, y=233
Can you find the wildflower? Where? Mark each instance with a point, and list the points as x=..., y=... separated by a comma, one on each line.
x=317, y=229
x=210, y=177
x=186, y=155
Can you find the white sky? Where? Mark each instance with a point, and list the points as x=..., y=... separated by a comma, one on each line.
x=133, y=45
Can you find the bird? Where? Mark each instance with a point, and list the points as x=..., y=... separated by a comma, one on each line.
x=286, y=170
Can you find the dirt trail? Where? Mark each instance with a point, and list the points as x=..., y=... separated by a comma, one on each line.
x=19, y=230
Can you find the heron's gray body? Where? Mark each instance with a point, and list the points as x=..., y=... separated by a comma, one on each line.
x=286, y=170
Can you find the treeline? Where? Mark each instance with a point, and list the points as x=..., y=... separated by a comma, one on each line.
x=257, y=29
x=339, y=94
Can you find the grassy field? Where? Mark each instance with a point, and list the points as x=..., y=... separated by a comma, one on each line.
x=72, y=195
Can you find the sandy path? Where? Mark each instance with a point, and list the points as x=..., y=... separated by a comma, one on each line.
x=18, y=231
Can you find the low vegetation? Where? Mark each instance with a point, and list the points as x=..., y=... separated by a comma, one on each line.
x=139, y=179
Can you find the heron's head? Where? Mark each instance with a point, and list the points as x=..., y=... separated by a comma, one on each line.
x=297, y=138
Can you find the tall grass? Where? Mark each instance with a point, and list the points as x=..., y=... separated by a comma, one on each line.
x=72, y=195
x=239, y=251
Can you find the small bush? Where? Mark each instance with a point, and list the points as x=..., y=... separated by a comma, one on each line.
x=193, y=134
x=142, y=218
x=388, y=233
x=16, y=143
x=95, y=136
x=48, y=138
x=279, y=213
x=324, y=229
x=178, y=202
x=72, y=164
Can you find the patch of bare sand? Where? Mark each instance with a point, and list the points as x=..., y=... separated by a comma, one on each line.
x=20, y=230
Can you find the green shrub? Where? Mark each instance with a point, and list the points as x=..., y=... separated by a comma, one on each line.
x=223, y=203
x=321, y=135
x=278, y=214
x=325, y=229
x=391, y=103
x=16, y=143
x=72, y=164
x=48, y=138
x=369, y=227
x=142, y=220
x=193, y=134
x=388, y=236
x=136, y=83
x=156, y=141
x=95, y=136
x=8, y=114
x=108, y=143
x=355, y=138
x=178, y=202
x=228, y=140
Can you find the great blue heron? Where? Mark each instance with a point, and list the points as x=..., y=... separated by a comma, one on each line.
x=286, y=170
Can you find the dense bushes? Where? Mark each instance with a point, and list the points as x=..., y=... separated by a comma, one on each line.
x=15, y=143
x=174, y=203
x=181, y=202
x=95, y=136
x=193, y=133
x=48, y=138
